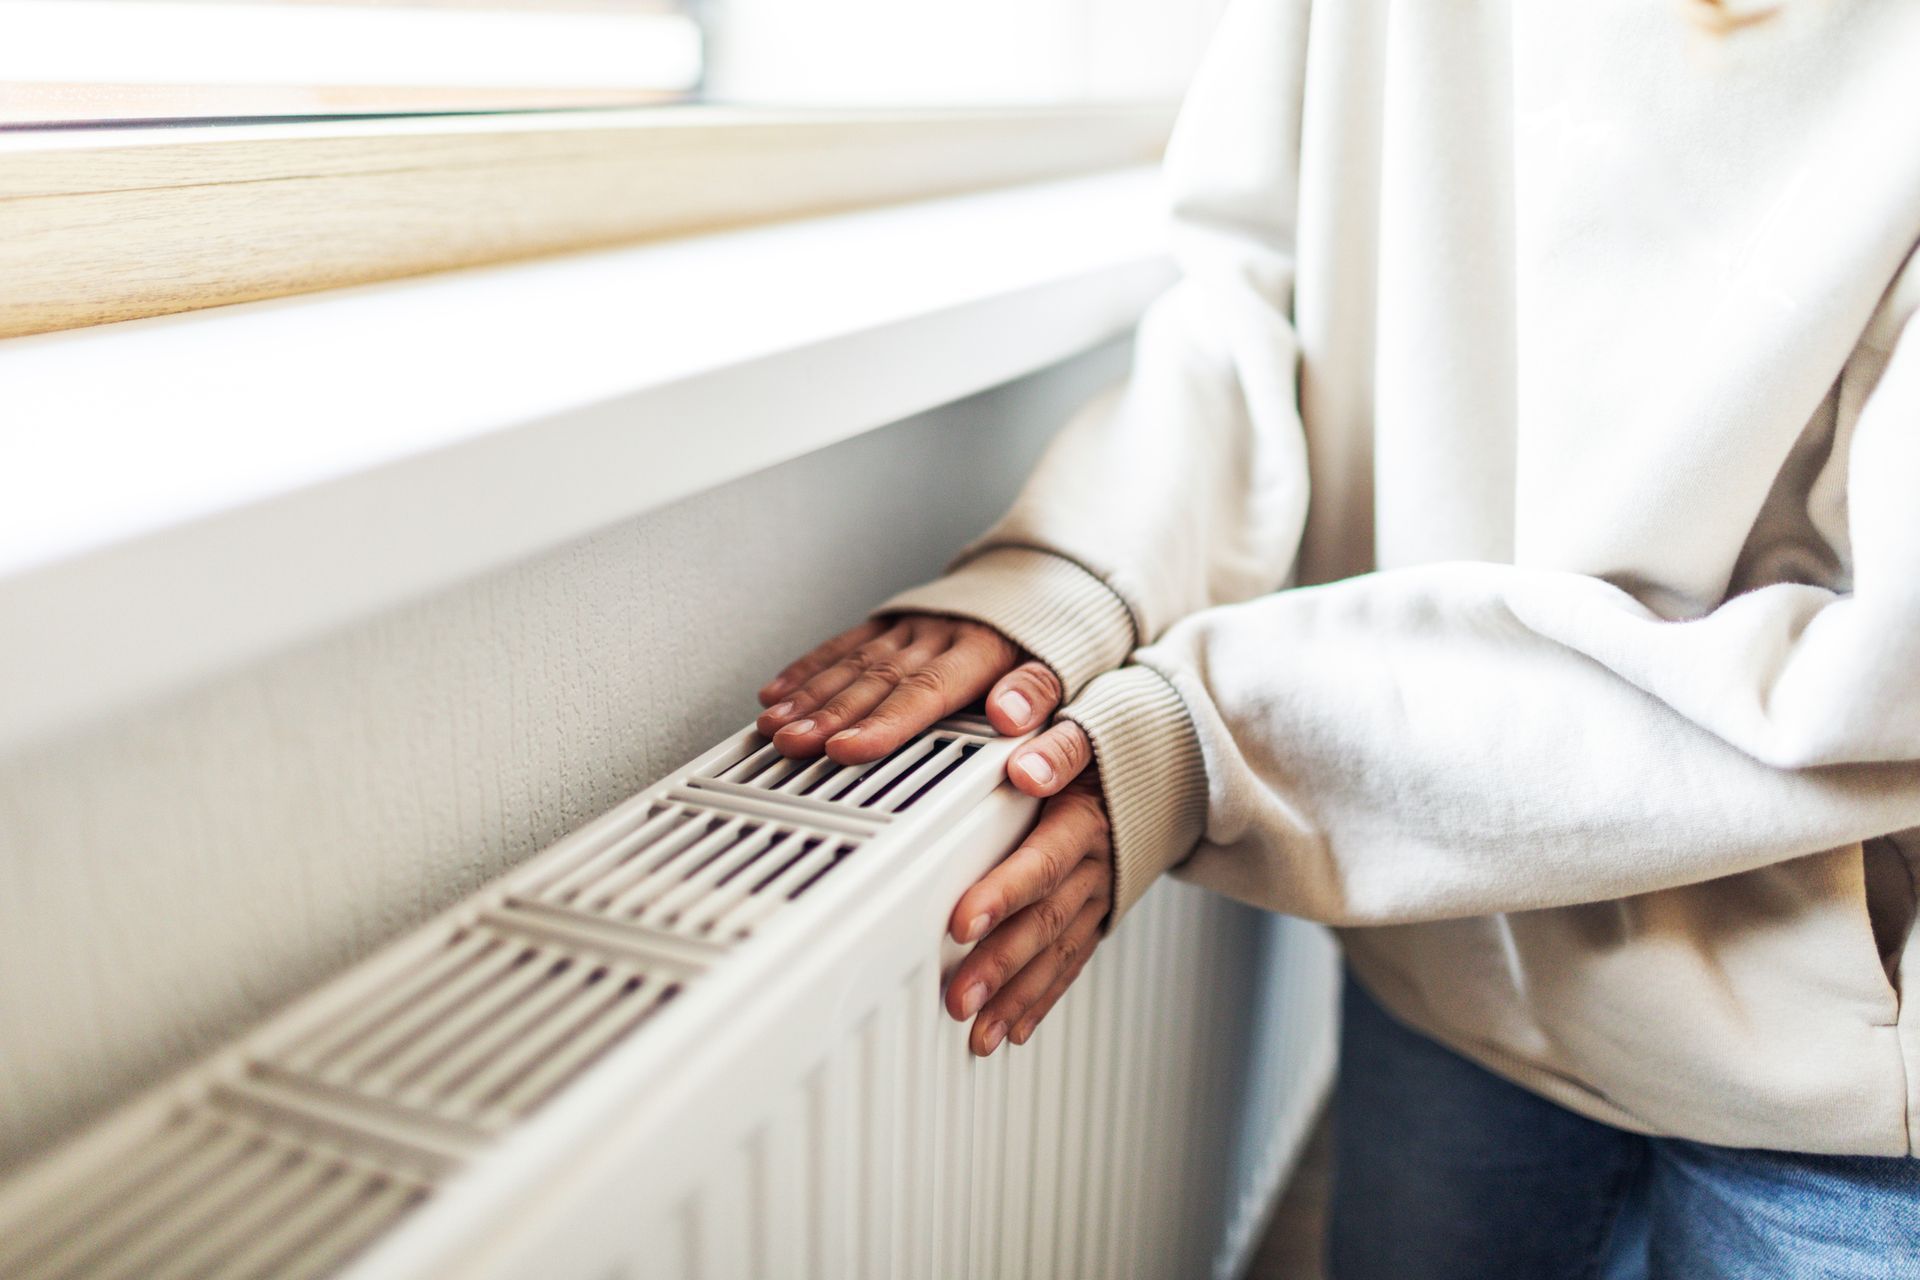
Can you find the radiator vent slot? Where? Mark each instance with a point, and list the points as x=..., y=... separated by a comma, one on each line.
x=691, y=871
x=211, y=1195
x=887, y=786
x=482, y=1032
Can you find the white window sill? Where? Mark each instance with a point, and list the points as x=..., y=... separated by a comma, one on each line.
x=183, y=494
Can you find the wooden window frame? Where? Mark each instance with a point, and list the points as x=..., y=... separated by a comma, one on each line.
x=112, y=224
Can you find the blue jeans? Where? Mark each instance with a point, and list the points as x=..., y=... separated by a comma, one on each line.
x=1443, y=1170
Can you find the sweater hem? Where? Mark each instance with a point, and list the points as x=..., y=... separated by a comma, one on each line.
x=1581, y=1099
x=1151, y=772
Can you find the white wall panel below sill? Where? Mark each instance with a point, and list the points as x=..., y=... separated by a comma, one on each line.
x=185, y=494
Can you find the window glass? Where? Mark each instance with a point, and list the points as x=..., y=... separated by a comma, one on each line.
x=942, y=52
x=80, y=63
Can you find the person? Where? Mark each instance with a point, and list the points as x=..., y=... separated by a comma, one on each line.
x=1505, y=550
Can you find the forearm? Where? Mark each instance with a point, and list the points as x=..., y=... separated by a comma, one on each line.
x=1436, y=742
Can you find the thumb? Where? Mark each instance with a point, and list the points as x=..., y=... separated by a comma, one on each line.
x=1024, y=699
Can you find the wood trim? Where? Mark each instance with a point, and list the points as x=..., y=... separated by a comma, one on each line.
x=114, y=225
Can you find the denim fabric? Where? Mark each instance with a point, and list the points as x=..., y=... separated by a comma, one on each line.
x=1444, y=1170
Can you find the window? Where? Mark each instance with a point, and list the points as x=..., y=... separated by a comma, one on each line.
x=96, y=62
x=163, y=155
x=881, y=53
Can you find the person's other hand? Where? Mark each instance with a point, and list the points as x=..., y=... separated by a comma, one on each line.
x=865, y=692
x=1038, y=914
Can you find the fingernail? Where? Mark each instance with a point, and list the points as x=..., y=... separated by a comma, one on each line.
x=781, y=710
x=799, y=727
x=995, y=1034
x=846, y=735
x=1022, y=1035
x=972, y=999
x=1037, y=768
x=977, y=927
x=1015, y=706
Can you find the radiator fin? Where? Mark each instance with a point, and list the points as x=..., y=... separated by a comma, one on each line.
x=1102, y=1150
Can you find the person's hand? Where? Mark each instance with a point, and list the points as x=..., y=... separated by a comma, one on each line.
x=1038, y=913
x=865, y=692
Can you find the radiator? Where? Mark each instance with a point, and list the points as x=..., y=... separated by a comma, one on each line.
x=701, y=1037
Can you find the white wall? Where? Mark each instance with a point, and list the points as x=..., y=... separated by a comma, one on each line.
x=171, y=877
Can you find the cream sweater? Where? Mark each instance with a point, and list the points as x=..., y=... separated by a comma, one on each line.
x=1570, y=348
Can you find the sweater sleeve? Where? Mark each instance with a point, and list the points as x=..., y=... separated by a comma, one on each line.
x=1186, y=487
x=1462, y=739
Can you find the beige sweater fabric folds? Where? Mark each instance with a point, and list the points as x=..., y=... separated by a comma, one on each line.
x=1507, y=547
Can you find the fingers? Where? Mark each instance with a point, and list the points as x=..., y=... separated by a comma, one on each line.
x=1046, y=765
x=1052, y=892
x=1025, y=699
x=1020, y=1005
x=828, y=670
x=872, y=673
x=923, y=696
x=1027, y=1024
x=1071, y=828
x=1009, y=949
x=894, y=651
x=887, y=688
x=799, y=672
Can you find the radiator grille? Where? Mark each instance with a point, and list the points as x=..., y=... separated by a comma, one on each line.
x=290, y=1152
x=890, y=785
x=480, y=1033
x=690, y=870
x=211, y=1194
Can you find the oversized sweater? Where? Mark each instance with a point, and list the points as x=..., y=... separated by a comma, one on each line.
x=1507, y=546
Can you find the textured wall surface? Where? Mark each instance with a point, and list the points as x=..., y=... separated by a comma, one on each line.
x=168, y=878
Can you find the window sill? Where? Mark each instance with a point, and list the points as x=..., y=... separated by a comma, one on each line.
x=118, y=224
x=191, y=492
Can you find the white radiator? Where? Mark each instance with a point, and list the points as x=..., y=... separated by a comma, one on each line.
x=701, y=1037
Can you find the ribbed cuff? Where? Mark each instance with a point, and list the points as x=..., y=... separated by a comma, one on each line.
x=1046, y=604
x=1152, y=772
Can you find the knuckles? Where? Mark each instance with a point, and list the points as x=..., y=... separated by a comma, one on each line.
x=991, y=963
x=1055, y=863
x=983, y=636
x=996, y=970
x=924, y=680
x=887, y=669
x=1051, y=915
x=1073, y=744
